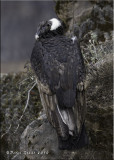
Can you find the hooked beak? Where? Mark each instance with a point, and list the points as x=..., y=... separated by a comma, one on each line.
x=36, y=36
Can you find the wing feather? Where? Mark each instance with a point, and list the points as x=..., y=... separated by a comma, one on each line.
x=59, y=66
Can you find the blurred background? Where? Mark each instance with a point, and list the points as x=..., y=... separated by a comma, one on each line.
x=19, y=21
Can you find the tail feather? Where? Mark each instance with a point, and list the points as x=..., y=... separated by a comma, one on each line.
x=68, y=121
x=61, y=127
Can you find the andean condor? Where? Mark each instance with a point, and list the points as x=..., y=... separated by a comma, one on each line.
x=59, y=67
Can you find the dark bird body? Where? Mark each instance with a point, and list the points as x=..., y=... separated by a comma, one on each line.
x=60, y=71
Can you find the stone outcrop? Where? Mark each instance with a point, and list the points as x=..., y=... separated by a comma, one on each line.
x=81, y=17
x=39, y=139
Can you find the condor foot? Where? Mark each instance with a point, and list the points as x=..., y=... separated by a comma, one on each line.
x=73, y=143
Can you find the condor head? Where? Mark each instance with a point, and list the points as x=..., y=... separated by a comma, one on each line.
x=49, y=28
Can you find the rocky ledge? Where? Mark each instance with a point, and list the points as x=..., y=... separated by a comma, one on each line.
x=39, y=139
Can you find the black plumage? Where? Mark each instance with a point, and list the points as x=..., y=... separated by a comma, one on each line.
x=60, y=71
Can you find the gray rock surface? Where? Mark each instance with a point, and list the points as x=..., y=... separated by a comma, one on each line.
x=81, y=17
